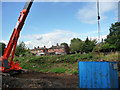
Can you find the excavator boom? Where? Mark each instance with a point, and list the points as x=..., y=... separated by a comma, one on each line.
x=8, y=65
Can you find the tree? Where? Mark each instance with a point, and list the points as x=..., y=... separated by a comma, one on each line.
x=76, y=45
x=114, y=36
x=65, y=44
x=95, y=49
x=66, y=47
x=2, y=47
x=105, y=47
x=20, y=49
x=88, y=45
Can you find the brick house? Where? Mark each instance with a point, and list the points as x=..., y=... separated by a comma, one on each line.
x=54, y=50
x=39, y=51
x=59, y=50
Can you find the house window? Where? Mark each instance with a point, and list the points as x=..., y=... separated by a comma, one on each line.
x=53, y=49
x=41, y=50
x=58, y=49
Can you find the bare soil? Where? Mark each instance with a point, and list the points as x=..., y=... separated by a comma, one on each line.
x=40, y=80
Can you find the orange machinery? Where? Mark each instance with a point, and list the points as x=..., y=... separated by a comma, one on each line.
x=7, y=65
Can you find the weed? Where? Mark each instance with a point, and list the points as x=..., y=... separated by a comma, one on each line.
x=75, y=72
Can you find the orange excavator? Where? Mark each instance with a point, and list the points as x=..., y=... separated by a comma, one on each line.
x=7, y=65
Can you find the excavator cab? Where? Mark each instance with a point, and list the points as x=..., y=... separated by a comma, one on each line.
x=4, y=65
x=1, y=66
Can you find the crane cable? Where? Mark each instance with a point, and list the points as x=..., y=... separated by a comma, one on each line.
x=98, y=28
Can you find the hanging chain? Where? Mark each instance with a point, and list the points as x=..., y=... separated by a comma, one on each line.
x=98, y=28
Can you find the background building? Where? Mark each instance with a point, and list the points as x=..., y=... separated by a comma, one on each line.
x=54, y=50
x=39, y=51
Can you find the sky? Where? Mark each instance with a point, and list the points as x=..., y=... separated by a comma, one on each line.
x=49, y=23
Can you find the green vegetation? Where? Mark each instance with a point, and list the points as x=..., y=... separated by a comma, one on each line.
x=113, y=39
x=20, y=49
x=2, y=47
x=58, y=70
x=76, y=45
x=60, y=64
x=88, y=45
x=110, y=44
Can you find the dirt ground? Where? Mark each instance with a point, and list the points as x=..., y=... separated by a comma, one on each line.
x=41, y=80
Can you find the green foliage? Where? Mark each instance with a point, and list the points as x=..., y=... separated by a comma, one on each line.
x=65, y=44
x=75, y=72
x=20, y=49
x=86, y=57
x=76, y=45
x=2, y=47
x=112, y=47
x=114, y=36
x=105, y=47
x=66, y=47
x=95, y=49
x=88, y=45
x=57, y=70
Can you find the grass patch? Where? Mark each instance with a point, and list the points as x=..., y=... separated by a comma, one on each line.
x=58, y=70
x=45, y=70
x=62, y=63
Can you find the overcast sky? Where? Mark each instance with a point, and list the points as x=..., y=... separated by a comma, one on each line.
x=49, y=23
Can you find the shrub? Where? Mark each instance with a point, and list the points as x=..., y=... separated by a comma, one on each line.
x=75, y=72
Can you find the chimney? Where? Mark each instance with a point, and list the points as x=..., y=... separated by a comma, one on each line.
x=34, y=47
x=44, y=47
x=57, y=44
x=38, y=46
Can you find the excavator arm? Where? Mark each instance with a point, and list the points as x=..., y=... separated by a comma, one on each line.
x=8, y=65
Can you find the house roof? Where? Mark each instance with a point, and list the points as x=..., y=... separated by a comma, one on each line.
x=53, y=47
x=56, y=47
x=39, y=49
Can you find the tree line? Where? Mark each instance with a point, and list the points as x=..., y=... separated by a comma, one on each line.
x=20, y=49
x=111, y=43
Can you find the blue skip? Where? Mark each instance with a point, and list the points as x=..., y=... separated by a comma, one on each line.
x=98, y=74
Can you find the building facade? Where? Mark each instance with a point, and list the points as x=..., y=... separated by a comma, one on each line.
x=39, y=51
x=54, y=50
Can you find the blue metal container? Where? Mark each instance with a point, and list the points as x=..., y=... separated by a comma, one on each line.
x=98, y=74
